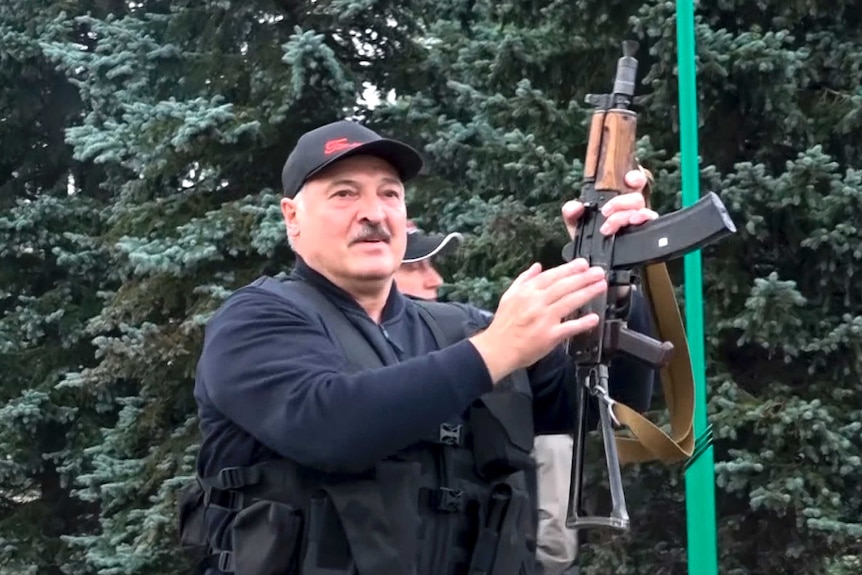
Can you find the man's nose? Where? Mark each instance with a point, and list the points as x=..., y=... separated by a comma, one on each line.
x=371, y=209
x=432, y=278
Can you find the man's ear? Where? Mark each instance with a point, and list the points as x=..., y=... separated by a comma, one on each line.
x=291, y=214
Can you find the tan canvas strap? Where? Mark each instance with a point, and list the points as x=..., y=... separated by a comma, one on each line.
x=648, y=442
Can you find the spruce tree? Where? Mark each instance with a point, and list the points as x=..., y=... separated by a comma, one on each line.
x=186, y=112
x=51, y=273
x=504, y=128
x=142, y=145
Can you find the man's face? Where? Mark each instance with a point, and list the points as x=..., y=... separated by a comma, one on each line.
x=419, y=279
x=349, y=221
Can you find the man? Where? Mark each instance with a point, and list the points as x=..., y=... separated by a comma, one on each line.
x=417, y=276
x=556, y=544
x=406, y=458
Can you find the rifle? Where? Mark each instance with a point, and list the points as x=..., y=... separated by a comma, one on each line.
x=610, y=154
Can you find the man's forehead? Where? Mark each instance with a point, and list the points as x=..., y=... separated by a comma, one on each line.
x=349, y=180
x=355, y=167
x=421, y=265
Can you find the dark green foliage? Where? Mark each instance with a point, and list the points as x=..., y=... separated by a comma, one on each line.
x=169, y=122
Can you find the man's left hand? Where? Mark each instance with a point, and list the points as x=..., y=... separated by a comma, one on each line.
x=626, y=209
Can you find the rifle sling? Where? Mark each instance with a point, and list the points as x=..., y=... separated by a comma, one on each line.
x=649, y=442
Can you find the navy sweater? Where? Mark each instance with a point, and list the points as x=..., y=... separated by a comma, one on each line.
x=270, y=382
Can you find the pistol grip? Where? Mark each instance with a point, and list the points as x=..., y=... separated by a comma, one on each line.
x=618, y=338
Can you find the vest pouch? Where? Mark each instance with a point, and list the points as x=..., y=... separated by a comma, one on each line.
x=267, y=536
x=327, y=550
x=516, y=552
x=501, y=546
x=190, y=522
x=502, y=423
x=365, y=525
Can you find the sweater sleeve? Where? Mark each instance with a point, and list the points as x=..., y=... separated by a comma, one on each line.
x=275, y=373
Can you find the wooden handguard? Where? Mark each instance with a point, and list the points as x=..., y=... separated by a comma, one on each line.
x=611, y=149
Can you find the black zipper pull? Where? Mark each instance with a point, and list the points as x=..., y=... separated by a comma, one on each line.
x=399, y=351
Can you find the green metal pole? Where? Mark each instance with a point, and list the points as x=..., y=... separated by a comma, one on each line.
x=700, y=475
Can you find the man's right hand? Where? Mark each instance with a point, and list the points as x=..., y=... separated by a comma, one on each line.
x=528, y=322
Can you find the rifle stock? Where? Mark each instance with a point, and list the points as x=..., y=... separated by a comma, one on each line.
x=610, y=154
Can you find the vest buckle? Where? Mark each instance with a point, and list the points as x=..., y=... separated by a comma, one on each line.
x=224, y=562
x=450, y=434
x=229, y=500
x=449, y=500
x=231, y=478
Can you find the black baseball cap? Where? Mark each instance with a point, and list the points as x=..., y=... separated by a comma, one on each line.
x=421, y=246
x=323, y=146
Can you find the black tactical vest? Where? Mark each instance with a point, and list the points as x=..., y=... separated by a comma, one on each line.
x=459, y=502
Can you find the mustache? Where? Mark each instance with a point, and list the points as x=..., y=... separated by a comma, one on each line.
x=372, y=233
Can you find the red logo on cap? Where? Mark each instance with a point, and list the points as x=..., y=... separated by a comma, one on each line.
x=338, y=145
